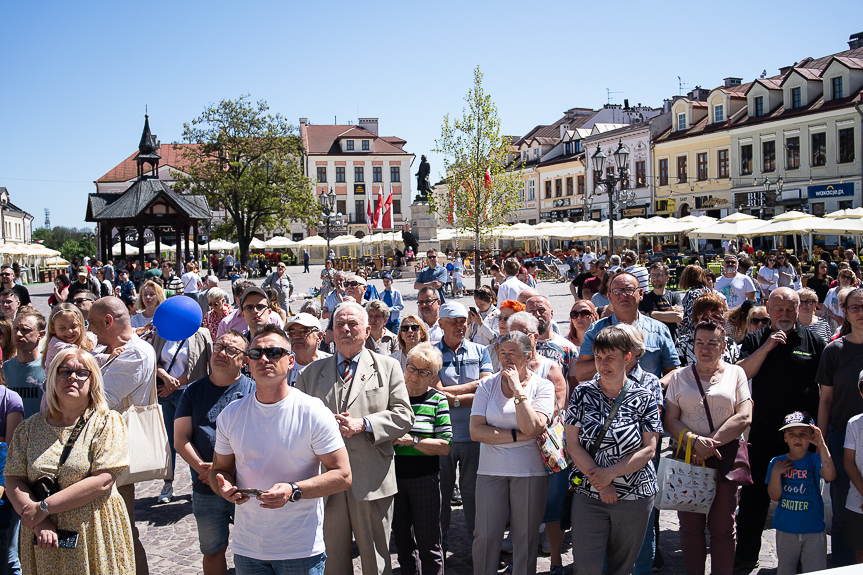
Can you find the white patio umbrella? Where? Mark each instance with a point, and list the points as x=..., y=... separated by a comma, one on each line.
x=728, y=228
x=220, y=245
x=310, y=241
x=846, y=213
x=257, y=244
x=130, y=250
x=345, y=240
x=280, y=242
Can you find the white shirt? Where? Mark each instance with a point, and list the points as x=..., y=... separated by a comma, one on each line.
x=275, y=443
x=295, y=371
x=586, y=258
x=854, y=440
x=510, y=289
x=190, y=282
x=735, y=289
x=130, y=374
x=181, y=364
x=435, y=331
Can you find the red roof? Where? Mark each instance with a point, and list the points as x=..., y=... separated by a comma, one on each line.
x=128, y=168
x=323, y=138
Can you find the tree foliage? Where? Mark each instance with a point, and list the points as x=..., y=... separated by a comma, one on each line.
x=247, y=162
x=70, y=242
x=472, y=145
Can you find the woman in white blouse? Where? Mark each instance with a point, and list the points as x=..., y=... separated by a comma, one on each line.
x=768, y=277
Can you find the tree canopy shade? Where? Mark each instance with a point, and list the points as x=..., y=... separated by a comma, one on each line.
x=481, y=194
x=247, y=162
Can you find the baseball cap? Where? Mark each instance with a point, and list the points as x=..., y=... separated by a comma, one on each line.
x=452, y=310
x=252, y=290
x=387, y=276
x=303, y=319
x=797, y=419
x=82, y=271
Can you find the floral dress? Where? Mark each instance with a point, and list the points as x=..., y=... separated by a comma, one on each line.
x=105, y=537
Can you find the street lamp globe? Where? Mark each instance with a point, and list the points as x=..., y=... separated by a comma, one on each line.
x=332, y=198
x=598, y=160
x=621, y=155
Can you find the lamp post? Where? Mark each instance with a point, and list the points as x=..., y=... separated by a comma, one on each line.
x=616, y=198
x=328, y=202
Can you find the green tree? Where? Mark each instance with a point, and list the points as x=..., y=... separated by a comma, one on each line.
x=55, y=237
x=70, y=250
x=247, y=162
x=472, y=146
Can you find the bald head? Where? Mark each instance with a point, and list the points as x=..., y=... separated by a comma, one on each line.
x=109, y=320
x=526, y=294
x=782, y=307
x=784, y=293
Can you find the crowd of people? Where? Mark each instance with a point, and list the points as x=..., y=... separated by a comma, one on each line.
x=348, y=420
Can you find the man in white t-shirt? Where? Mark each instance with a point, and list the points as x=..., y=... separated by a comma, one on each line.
x=191, y=281
x=588, y=257
x=270, y=445
x=735, y=286
x=511, y=286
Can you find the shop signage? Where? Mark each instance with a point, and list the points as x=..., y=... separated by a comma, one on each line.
x=360, y=189
x=668, y=206
x=749, y=199
x=830, y=191
x=709, y=202
x=634, y=212
x=595, y=214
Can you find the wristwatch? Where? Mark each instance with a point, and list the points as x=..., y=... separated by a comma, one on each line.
x=296, y=493
x=43, y=507
x=456, y=402
x=519, y=399
x=416, y=440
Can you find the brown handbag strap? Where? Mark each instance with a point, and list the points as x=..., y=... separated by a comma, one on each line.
x=703, y=398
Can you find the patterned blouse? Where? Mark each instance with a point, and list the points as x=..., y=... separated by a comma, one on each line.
x=687, y=326
x=588, y=409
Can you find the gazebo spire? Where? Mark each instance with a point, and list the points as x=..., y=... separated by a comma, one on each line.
x=148, y=143
x=147, y=150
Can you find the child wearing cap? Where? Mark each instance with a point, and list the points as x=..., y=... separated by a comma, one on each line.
x=794, y=480
x=854, y=468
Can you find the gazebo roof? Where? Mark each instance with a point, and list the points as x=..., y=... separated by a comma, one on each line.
x=141, y=195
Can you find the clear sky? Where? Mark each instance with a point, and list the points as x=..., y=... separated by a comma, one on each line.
x=75, y=76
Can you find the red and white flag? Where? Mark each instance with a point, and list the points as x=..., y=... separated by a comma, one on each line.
x=487, y=179
x=387, y=212
x=378, y=208
x=369, y=210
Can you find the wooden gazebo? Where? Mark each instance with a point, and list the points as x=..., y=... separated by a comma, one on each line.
x=149, y=203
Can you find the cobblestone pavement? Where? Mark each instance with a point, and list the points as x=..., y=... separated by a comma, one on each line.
x=169, y=533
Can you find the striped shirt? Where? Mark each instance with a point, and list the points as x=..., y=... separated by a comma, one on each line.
x=431, y=420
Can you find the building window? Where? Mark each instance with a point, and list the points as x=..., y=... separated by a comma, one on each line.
x=768, y=156
x=718, y=113
x=816, y=208
x=365, y=145
x=547, y=189
x=360, y=208
x=531, y=190
x=581, y=185
x=663, y=172
x=846, y=145
x=349, y=145
x=524, y=155
x=395, y=174
x=570, y=190
x=759, y=106
x=322, y=175
x=340, y=174
x=558, y=188
x=792, y=153
x=722, y=164
x=578, y=146
x=796, y=97
x=397, y=206
x=358, y=173
x=377, y=176
x=819, y=149
x=341, y=206
x=837, y=87
x=681, y=121
x=522, y=191
x=746, y=160
x=702, y=165
x=681, y=169
x=536, y=153
x=567, y=149
x=640, y=174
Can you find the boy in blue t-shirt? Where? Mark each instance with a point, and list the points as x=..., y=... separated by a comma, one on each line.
x=794, y=480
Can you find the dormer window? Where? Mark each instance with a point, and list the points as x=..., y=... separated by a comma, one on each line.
x=365, y=145
x=837, y=87
x=567, y=148
x=681, y=121
x=759, y=106
x=524, y=155
x=796, y=97
x=536, y=153
x=349, y=145
x=578, y=147
x=718, y=113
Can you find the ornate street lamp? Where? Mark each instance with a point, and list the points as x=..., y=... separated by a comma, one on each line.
x=617, y=199
x=328, y=202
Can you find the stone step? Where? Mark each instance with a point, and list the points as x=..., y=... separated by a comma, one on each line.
x=408, y=272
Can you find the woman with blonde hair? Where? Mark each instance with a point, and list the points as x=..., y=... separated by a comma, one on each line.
x=84, y=500
x=412, y=331
x=757, y=318
x=150, y=297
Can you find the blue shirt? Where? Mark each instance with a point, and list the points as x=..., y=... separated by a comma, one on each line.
x=127, y=288
x=434, y=274
x=461, y=366
x=28, y=381
x=659, y=350
x=393, y=298
x=800, y=509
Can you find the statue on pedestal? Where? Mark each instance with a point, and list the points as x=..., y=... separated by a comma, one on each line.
x=423, y=184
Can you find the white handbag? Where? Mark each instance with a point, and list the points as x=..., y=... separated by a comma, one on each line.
x=684, y=486
x=149, y=450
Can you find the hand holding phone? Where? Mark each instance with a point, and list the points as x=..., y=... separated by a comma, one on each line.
x=249, y=492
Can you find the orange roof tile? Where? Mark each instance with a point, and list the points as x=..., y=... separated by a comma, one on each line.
x=128, y=168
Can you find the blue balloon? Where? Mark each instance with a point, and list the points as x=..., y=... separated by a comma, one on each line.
x=178, y=318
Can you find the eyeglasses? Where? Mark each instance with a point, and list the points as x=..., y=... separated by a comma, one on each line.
x=410, y=368
x=623, y=291
x=354, y=284
x=855, y=309
x=759, y=320
x=301, y=332
x=585, y=313
x=76, y=301
x=257, y=353
x=771, y=259
x=426, y=302
x=229, y=350
x=80, y=374
x=412, y=327
x=602, y=268
x=255, y=308
x=808, y=302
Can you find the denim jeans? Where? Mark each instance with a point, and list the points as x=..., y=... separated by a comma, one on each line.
x=9, y=541
x=309, y=566
x=169, y=408
x=843, y=555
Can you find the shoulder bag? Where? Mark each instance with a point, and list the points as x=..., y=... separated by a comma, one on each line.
x=48, y=485
x=170, y=365
x=553, y=447
x=734, y=465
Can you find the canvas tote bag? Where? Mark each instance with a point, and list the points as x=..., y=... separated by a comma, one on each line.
x=684, y=486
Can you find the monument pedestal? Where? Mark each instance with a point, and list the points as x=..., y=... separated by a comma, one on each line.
x=424, y=226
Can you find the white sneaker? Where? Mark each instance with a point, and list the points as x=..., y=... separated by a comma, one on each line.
x=167, y=493
x=507, y=543
x=543, y=541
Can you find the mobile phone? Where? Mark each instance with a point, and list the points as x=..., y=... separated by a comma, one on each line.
x=65, y=539
x=250, y=492
x=473, y=309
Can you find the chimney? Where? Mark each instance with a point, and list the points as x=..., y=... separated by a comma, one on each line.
x=731, y=82
x=304, y=121
x=370, y=124
x=666, y=105
x=855, y=41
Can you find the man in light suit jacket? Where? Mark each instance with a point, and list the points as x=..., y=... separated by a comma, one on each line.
x=366, y=392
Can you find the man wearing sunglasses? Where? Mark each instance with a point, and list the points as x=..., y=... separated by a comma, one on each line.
x=255, y=307
x=270, y=446
x=280, y=281
x=433, y=276
x=429, y=304
x=236, y=320
x=195, y=440
x=7, y=281
x=304, y=332
x=366, y=392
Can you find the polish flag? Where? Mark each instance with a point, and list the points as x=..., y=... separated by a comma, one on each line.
x=387, y=212
x=369, y=209
x=378, y=211
x=487, y=179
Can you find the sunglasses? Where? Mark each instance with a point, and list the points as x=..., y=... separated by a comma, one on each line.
x=354, y=284
x=255, y=308
x=80, y=300
x=257, y=353
x=759, y=320
x=585, y=313
x=412, y=327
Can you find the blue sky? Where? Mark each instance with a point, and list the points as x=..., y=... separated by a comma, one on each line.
x=75, y=77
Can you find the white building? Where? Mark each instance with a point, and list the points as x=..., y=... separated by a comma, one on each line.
x=16, y=224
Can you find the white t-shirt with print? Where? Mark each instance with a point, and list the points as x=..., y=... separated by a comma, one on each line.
x=735, y=289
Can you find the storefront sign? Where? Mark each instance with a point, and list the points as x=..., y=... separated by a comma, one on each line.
x=595, y=214
x=634, y=212
x=709, y=202
x=360, y=189
x=830, y=191
x=668, y=206
x=749, y=199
